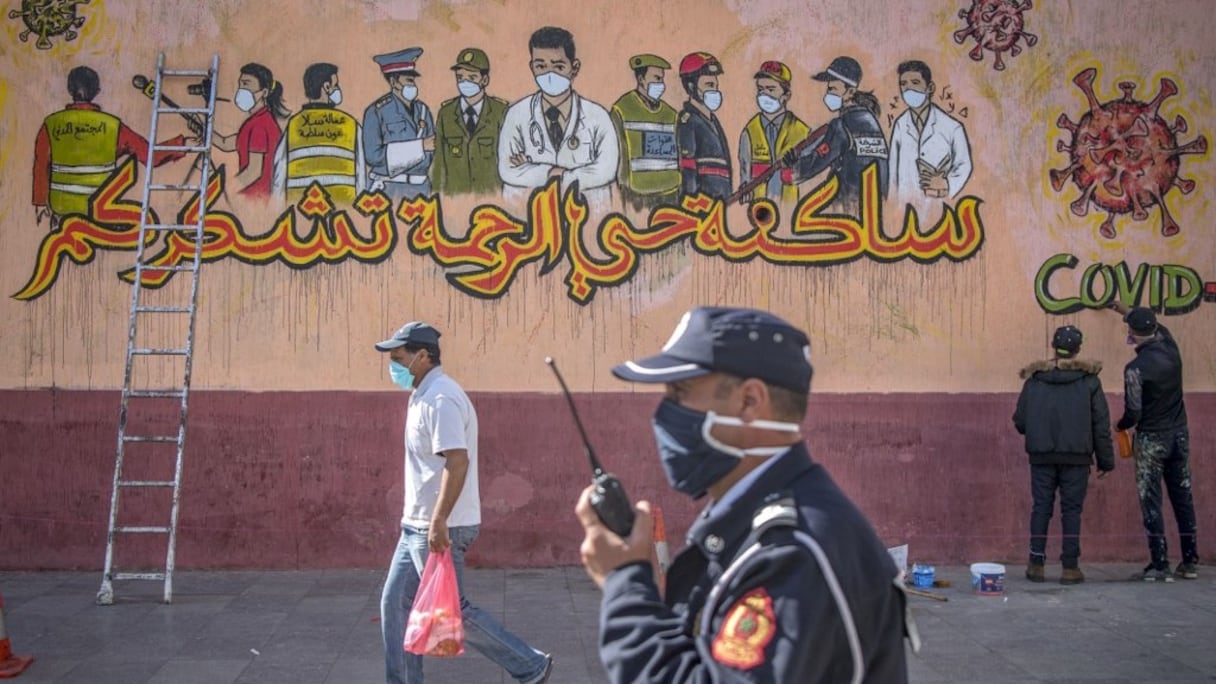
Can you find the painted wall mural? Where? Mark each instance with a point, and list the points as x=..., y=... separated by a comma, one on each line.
x=479, y=157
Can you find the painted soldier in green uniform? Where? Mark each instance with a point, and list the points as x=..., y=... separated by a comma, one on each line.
x=646, y=128
x=467, y=129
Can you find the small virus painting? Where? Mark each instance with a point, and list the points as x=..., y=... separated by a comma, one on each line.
x=48, y=19
x=1123, y=155
x=997, y=26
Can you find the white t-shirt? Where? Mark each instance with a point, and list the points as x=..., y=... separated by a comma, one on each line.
x=440, y=417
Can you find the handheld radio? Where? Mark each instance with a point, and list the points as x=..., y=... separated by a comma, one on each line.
x=608, y=498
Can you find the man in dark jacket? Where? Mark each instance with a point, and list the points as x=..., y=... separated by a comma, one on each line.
x=783, y=579
x=1063, y=413
x=1153, y=405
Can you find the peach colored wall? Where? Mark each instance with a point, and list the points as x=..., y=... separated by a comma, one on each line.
x=876, y=327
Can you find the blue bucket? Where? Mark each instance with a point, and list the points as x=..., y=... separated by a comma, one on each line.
x=922, y=576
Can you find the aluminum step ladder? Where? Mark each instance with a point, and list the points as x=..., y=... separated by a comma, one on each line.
x=138, y=394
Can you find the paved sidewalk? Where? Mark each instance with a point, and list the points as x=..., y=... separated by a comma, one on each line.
x=323, y=627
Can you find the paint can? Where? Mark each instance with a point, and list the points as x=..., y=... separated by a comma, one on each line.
x=988, y=579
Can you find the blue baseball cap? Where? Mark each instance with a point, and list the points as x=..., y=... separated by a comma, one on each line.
x=414, y=332
x=746, y=343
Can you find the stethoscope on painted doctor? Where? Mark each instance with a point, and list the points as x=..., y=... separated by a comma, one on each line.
x=538, y=135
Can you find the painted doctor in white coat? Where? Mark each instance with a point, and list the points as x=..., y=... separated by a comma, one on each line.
x=930, y=156
x=555, y=132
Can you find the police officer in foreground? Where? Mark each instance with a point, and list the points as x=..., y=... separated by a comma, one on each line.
x=646, y=128
x=783, y=579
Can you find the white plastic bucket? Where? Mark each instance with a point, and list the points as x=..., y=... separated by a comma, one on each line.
x=988, y=579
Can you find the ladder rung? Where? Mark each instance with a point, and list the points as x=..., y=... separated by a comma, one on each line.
x=130, y=529
x=155, y=394
x=137, y=575
x=183, y=110
x=186, y=72
x=159, y=352
x=163, y=309
x=146, y=483
x=149, y=438
x=170, y=226
x=178, y=148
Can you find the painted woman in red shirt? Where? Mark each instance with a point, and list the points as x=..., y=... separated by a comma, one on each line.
x=259, y=94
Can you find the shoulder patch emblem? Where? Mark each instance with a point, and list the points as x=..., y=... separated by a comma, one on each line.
x=747, y=630
x=684, y=117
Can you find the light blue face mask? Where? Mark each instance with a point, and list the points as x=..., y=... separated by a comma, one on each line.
x=712, y=99
x=402, y=375
x=409, y=92
x=656, y=90
x=767, y=103
x=468, y=88
x=914, y=98
x=833, y=101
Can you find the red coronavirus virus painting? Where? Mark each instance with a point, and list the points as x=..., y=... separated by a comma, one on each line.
x=996, y=25
x=1123, y=156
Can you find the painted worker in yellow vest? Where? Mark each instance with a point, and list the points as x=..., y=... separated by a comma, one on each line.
x=321, y=144
x=772, y=132
x=78, y=148
x=646, y=128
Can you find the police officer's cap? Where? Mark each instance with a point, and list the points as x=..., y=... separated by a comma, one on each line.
x=472, y=58
x=1141, y=320
x=747, y=343
x=639, y=61
x=700, y=64
x=776, y=71
x=1067, y=340
x=414, y=333
x=400, y=62
x=844, y=69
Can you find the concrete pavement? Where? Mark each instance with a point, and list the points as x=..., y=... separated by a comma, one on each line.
x=323, y=627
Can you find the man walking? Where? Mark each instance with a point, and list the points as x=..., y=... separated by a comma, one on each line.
x=442, y=509
x=1153, y=405
x=1063, y=413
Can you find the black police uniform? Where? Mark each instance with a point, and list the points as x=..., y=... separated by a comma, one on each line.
x=853, y=142
x=704, y=154
x=811, y=598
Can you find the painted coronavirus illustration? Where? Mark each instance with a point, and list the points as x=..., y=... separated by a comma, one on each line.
x=47, y=19
x=1123, y=155
x=996, y=26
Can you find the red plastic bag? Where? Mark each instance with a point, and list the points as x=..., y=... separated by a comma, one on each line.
x=435, y=627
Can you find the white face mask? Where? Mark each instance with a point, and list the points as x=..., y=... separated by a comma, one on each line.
x=712, y=99
x=655, y=90
x=767, y=103
x=409, y=92
x=553, y=84
x=712, y=419
x=468, y=88
x=914, y=98
x=335, y=96
x=243, y=99
x=833, y=101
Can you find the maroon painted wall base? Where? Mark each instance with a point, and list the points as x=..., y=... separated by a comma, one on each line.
x=295, y=480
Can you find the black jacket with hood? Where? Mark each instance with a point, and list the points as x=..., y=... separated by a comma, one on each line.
x=1063, y=413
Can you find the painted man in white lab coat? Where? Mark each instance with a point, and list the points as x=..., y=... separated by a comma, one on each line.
x=930, y=158
x=555, y=132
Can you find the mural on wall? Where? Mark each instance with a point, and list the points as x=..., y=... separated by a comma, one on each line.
x=49, y=19
x=996, y=26
x=1124, y=156
x=568, y=179
x=1170, y=288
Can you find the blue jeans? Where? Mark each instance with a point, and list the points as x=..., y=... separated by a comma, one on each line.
x=481, y=631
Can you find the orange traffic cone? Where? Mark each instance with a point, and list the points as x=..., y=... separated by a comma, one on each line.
x=661, y=554
x=10, y=665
